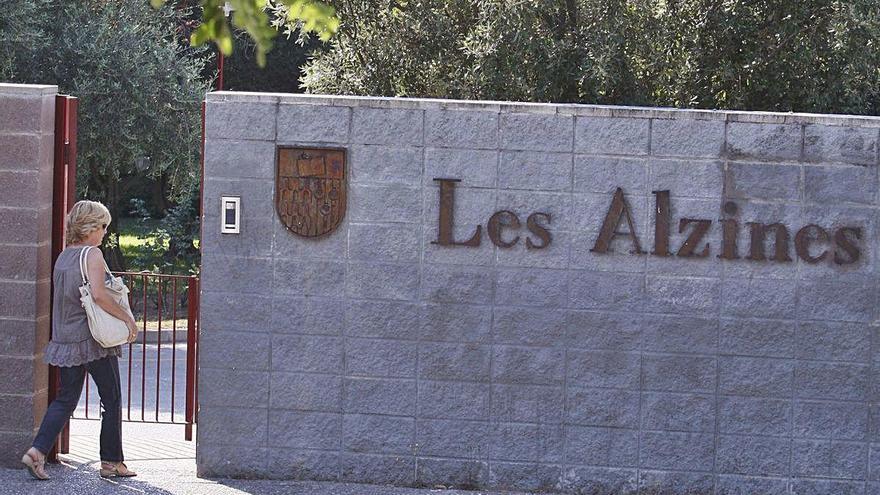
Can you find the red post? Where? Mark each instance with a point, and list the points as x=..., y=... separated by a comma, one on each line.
x=63, y=197
x=192, y=315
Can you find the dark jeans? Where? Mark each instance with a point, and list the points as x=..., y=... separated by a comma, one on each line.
x=105, y=373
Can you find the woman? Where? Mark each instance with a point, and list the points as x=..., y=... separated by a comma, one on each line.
x=73, y=349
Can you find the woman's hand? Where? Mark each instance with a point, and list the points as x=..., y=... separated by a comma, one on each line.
x=132, y=330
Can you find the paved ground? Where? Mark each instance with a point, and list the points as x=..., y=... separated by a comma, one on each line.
x=165, y=463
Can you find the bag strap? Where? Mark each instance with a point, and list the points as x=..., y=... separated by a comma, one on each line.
x=83, y=258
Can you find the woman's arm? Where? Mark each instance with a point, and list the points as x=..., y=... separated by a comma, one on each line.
x=95, y=270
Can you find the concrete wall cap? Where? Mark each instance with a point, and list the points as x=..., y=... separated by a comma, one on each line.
x=27, y=89
x=545, y=108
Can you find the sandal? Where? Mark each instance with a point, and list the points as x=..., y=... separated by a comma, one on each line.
x=35, y=464
x=115, y=470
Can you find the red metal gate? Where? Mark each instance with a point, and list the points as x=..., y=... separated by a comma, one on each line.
x=184, y=295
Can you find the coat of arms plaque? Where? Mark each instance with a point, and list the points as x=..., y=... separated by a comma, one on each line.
x=310, y=189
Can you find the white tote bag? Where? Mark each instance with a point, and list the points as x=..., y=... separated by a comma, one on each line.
x=106, y=329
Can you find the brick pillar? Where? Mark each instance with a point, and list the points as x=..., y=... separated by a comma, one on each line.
x=27, y=132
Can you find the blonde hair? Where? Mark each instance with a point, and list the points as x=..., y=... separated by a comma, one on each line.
x=85, y=217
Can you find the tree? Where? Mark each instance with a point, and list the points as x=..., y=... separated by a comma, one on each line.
x=783, y=55
x=139, y=86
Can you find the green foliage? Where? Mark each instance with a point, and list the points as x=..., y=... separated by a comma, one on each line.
x=251, y=17
x=21, y=34
x=164, y=245
x=782, y=55
x=140, y=89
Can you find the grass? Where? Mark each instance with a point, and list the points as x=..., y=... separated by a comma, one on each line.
x=134, y=235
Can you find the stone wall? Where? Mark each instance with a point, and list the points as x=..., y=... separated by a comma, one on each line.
x=27, y=127
x=374, y=354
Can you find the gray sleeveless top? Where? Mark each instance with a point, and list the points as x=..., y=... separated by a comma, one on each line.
x=72, y=343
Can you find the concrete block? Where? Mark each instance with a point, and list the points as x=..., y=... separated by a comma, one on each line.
x=524, y=131
x=601, y=446
x=680, y=334
x=455, y=323
x=475, y=168
x=834, y=341
x=17, y=412
x=312, y=353
x=616, y=136
x=622, y=292
x=387, y=126
x=232, y=388
x=399, y=281
x=237, y=350
x=309, y=278
x=318, y=123
x=307, y=315
x=304, y=464
x=762, y=377
x=763, y=141
x=229, y=312
x=673, y=373
x=674, y=482
x=603, y=175
x=526, y=442
x=825, y=459
x=236, y=274
x=528, y=365
x=18, y=338
x=452, y=438
x=556, y=255
x=527, y=404
x=826, y=143
x=231, y=461
x=305, y=392
x=686, y=137
x=529, y=326
x=599, y=481
x=235, y=425
x=746, y=485
x=466, y=129
x=19, y=300
x=442, y=361
x=831, y=420
x=603, y=369
x=378, y=434
x=240, y=121
x=602, y=407
x=758, y=338
x=524, y=476
x=380, y=358
x=826, y=487
x=753, y=455
x=384, y=203
x=240, y=159
x=754, y=416
x=21, y=226
x=385, y=164
x=382, y=319
x=12, y=443
x=814, y=380
x=693, y=296
x=304, y=430
x=255, y=240
x=690, y=179
x=20, y=151
x=24, y=369
x=763, y=181
x=678, y=412
x=535, y=170
x=21, y=189
x=453, y=400
x=21, y=113
x=460, y=474
x=759, y=298
x=380, y=396
x=835, y=185
x=531, y=287
x=288, y=245
x=257, y=199
x=597, y=330
x=672, y=450
x=457, y=284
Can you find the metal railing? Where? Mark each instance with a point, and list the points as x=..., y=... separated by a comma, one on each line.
x=154, y=298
